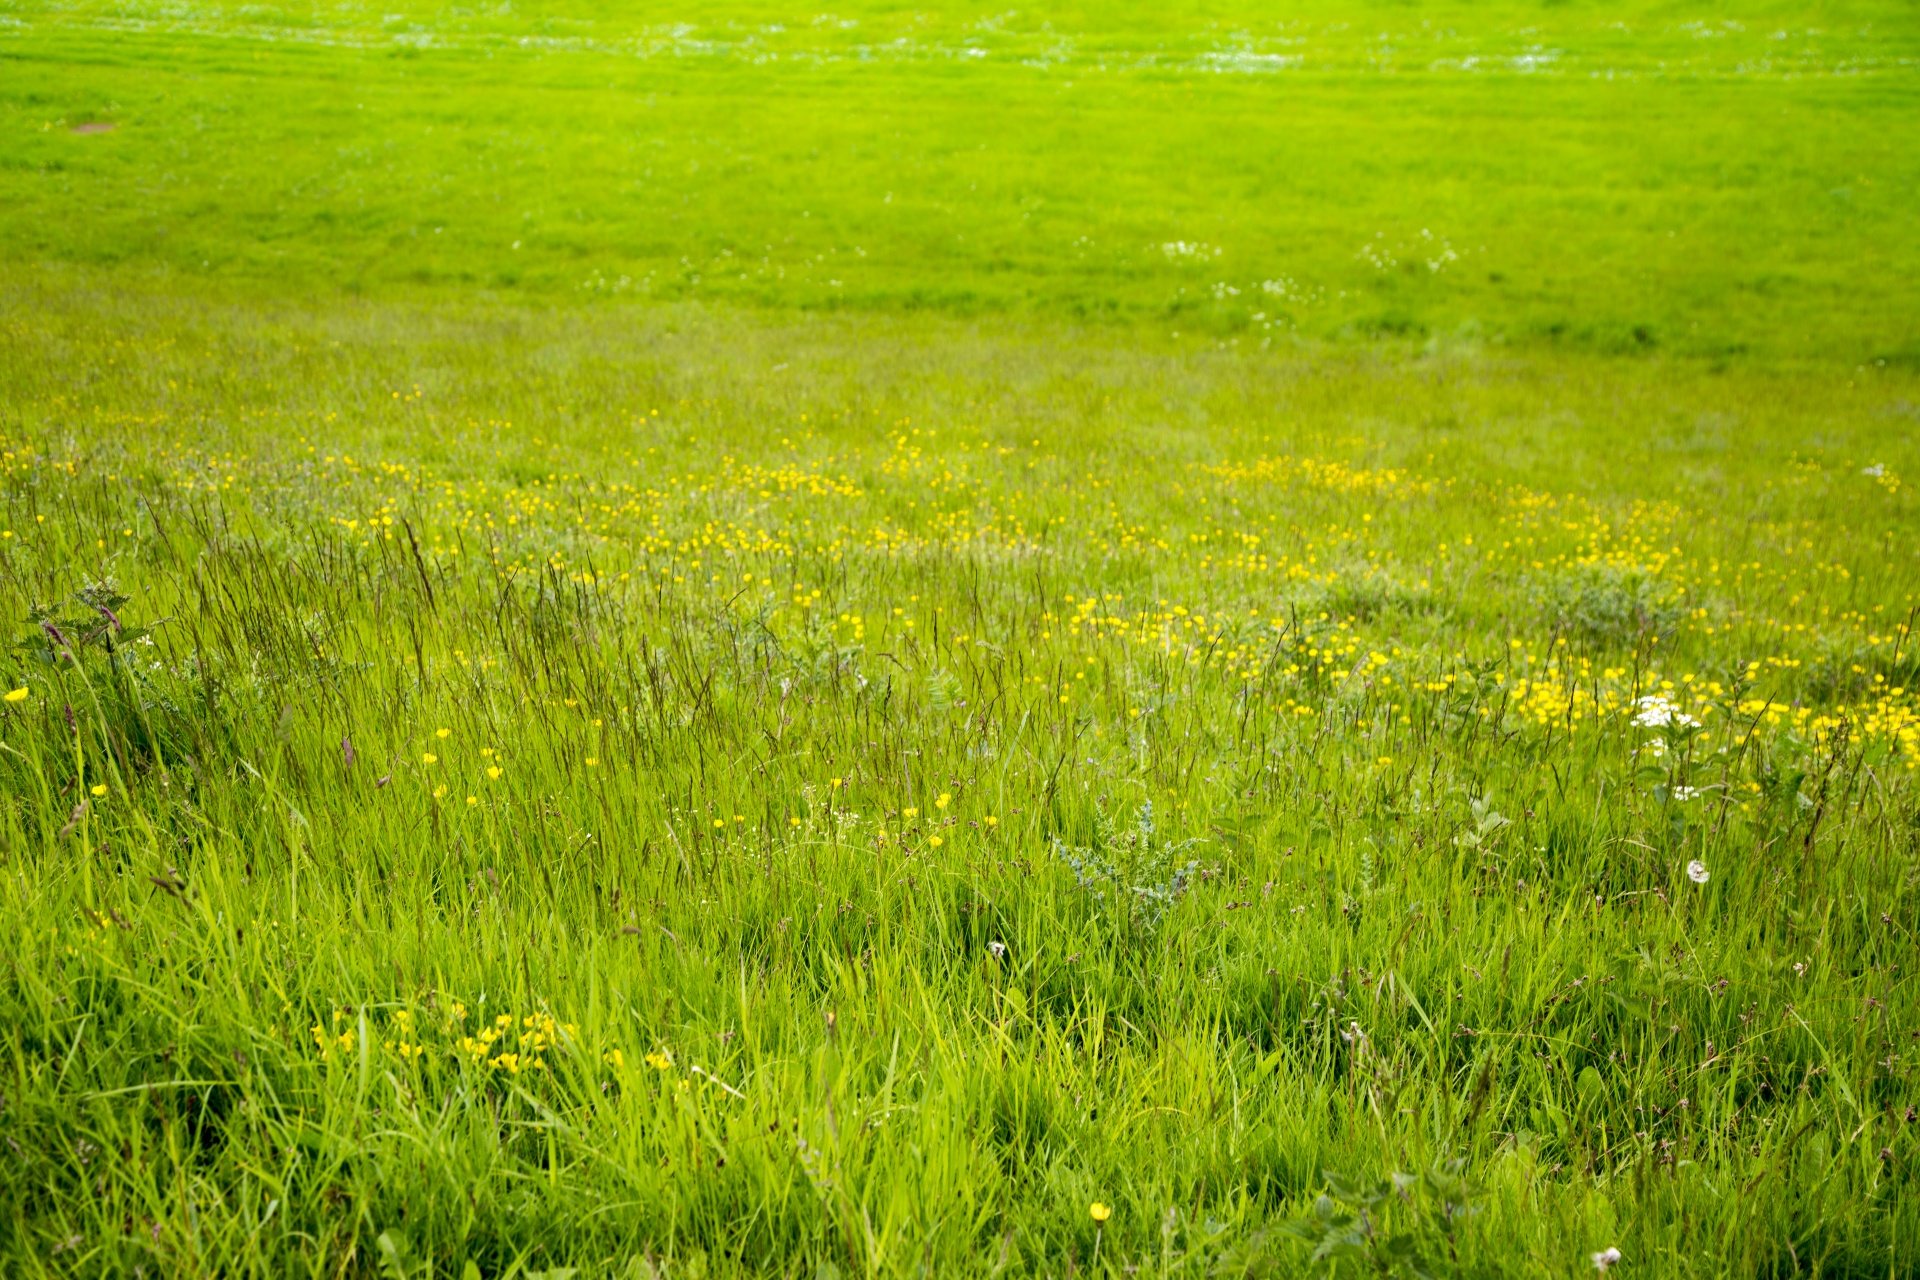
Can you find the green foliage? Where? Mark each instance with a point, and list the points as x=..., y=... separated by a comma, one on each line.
x=1367, y=595
x=1404, y=1225
x=1132, y=877
x=90, y=634
x=1610, y=604
x=103, y=674
x=1485, y=827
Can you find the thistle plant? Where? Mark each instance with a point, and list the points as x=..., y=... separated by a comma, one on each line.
x=1133, y=875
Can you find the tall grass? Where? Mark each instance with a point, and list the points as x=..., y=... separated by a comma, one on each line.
x=664, y=793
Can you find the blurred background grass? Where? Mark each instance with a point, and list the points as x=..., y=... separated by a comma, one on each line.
x=1620, y=179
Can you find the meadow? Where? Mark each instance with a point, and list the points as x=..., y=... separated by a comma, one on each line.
x=528, y=755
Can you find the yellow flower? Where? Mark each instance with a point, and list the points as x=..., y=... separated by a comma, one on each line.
x=429, y=758
x=943, y=801
x=992, y=821
x=1100, y=1212
x=719, y=822
x=439, y=792
x=660, y=1060
x=493, y=772
x=486, y=751
x=592, y=761
x=911, y=813
x=935, y=841
x=443, y=733
x=473, y=800
x=100, y=788
x=17, y=695
x=836, y=784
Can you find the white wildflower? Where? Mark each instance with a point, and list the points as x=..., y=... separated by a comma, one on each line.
x=1657, y=711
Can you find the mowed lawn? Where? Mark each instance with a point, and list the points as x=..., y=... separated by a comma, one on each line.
x=886, y=643
x=1648, y=178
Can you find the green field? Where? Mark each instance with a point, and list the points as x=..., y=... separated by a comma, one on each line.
x=1693, y=180
x=1104, y=642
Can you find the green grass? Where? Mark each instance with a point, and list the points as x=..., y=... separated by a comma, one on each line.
x=1658, y=177
x=1712, y=1077
x=910, y=761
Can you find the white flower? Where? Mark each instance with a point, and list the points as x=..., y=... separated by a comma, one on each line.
x=999, y=949
x=1685, y=793
x=1605, y=1258
x=1657, y=712
x=1697, y=871
x=1877, y=470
